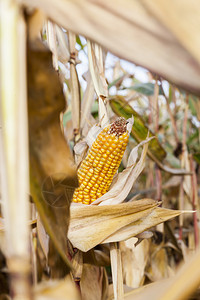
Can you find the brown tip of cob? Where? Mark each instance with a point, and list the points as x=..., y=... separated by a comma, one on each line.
x=118, y=127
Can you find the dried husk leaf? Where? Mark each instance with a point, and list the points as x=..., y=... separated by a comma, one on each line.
x=52, y=42
x=185, y=163
x=63, y=45
x=180, y=286
x=91, y=225
x=75, y=87
x=95, y=57
x=134, y=260
x=94, y=283
x=116, y=267
x=96, y=65
x=57, y=290
x=86, y=105
x=156, y=216
x=159, y=267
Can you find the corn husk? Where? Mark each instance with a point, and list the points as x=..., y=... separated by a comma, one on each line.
x=91, y=225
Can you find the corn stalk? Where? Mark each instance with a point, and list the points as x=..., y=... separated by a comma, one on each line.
x=14, y=146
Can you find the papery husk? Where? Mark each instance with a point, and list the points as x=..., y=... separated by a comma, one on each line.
x=91, y=225
x=156, y=216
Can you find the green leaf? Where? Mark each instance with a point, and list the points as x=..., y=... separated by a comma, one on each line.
x=78, y=40
x=139, y=131
x=196, y=156
x=192, y=104
x=145, y=88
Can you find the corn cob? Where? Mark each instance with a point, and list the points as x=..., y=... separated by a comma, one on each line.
x=96, y=172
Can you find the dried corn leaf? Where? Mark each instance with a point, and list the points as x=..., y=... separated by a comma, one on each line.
x=90, y=224
x=75, y=86
x=116, y=268
x=63, y=45
x=134, y=260
x=53, y=177
x=86, y=105
x=94, y=283
x=95, y=57
x=124, y=181
x=96, y=64
x=157, y=216
x=57, y=290
x=184, y=22
x=158, y=264
x=140, y=37
x=180, y=286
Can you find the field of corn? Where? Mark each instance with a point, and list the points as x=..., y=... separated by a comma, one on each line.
x=100, y=150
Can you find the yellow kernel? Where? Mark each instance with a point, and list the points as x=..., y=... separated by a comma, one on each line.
x=86, y=202
x=93, y=199
x=98, y=169
x=92, y=193
x=103, y=159
x=113, y=164
x=102, y=150
x=104, y=171
x=83, y=185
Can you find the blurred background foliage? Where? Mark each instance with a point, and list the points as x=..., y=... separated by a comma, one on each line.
x=148, y=67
